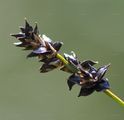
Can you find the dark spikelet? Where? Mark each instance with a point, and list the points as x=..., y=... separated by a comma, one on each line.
x=36, y=31
x=19, y=35
x=28, y=47
x=101, y=72
x=22, y=29
x=84, y=73
x=57, y=45
x=87, y=63
x=70, y=84
x=28, y=27
x=46, y=68
x=32, y=54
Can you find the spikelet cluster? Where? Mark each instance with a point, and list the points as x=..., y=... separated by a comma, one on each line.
x=83, y=73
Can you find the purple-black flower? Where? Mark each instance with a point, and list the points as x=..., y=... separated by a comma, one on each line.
x=88, y=86
x=42, y=46
x=44, y=49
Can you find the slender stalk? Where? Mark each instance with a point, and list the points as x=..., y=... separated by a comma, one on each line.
x=112, y=95
x=107, y=91
x=62, y=58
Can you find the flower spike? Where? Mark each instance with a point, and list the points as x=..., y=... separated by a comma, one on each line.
x=84, y=74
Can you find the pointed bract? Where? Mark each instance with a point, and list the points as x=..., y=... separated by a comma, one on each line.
x=101, y=72
x=46, y=68
x=70, y=84
x=50, y=64
x=40, y=50
x=86, y=91
x=88, y=63
x=57, y=45
x=36, y=31
x=72, y=80
x=19, y=35
x=28, y=28
x=32, y=54
x=22, y=29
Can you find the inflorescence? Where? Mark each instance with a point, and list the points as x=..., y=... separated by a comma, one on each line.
x=83, y=73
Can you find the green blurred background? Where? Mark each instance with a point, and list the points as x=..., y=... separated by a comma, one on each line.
x=94, y=29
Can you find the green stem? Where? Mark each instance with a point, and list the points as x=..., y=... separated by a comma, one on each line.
x=107, y=91
x=115, y=97
x=62, y=58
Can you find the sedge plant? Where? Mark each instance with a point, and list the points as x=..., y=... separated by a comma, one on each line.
x=82, y=73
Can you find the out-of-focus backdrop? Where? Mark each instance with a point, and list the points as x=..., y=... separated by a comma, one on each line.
x=94, y=29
